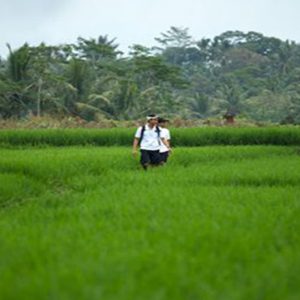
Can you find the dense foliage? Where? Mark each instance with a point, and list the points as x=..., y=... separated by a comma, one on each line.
x=241, y=73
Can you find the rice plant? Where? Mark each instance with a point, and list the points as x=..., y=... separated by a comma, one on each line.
x=180, y=136
x=218, y=222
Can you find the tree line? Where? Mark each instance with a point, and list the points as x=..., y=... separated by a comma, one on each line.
x=249, y=74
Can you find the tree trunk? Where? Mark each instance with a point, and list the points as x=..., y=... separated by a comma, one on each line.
x=38, y=108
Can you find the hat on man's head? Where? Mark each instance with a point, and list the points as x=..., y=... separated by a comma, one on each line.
x=162, y=120
x=151, y=117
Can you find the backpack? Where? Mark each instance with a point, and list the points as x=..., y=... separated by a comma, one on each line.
x=143, y=130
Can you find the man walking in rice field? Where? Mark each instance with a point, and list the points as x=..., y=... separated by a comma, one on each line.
x=149, y=139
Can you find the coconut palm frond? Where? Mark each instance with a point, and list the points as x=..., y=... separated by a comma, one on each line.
x=151, y=89
x=94, y=98
x=87, y=107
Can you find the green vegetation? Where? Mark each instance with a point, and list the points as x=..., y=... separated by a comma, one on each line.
x=180, y=136
x=87, y=223
x=181, y=76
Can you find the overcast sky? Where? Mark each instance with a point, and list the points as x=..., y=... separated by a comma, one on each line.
x=139, y=21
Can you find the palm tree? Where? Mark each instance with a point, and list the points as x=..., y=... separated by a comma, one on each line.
x=95, y=50
x=18, y=63
x=17, y=80
x=228, y=98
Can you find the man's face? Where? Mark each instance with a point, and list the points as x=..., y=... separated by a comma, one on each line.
x=153, y=122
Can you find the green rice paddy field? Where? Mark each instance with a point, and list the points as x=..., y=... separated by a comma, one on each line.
x=85, y=222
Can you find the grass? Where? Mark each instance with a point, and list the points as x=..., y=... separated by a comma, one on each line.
x=285, y=135
x=86, y=223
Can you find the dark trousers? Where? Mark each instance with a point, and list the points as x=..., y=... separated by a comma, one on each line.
x=149, y=157
x=164, y=156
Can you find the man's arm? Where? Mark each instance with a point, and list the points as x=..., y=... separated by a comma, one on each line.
x=166, y=143
x=136, y=141
x=135, y=146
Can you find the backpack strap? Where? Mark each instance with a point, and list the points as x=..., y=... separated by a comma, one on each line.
x=158, y=134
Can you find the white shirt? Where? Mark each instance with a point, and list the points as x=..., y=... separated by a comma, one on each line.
x=150, y=139
x=164, y=133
